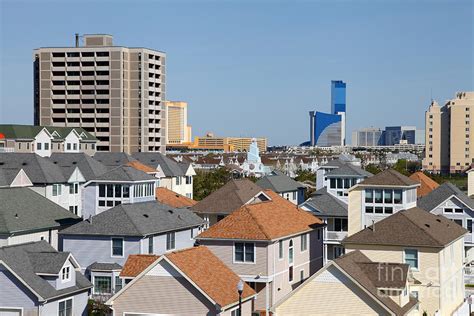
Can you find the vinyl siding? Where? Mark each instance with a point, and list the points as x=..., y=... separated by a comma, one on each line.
x=15, y=294
x=79, y=305
x=354, y=211
x=21, y=239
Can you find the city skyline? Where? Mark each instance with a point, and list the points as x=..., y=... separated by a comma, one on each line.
x=264, y=74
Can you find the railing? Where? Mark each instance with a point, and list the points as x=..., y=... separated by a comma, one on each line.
x=7, y=150
x=332, y=235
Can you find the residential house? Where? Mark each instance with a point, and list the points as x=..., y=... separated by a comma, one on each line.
x=427, y=185
x=339, y=180
x=26, y=216
x=227, y=199
x=352, y=285
x=37, y=280
x=191, y=281
x=340, y=161
x=10, y=178
x=168, y=197
x=431, y=244
x=45, y=140
x=135, y=265
x=449, y=201
x=378, y=197
x=103, y=242
x=280, y=183
x=271, y=245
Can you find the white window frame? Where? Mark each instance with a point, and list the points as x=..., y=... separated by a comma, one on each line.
x=151, y=245
x=112, y=247
x=254, y=253
x=174, y=239
x=67, y=273
x=67, y=299
x=304, y=241
x=417, y=258
x=58, y=189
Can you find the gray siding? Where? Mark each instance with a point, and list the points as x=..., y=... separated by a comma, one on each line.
x=15, y=294
x=79, y=305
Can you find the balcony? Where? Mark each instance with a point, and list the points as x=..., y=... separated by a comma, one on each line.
x=334, y=236
x=468, y=239
x=7, y=150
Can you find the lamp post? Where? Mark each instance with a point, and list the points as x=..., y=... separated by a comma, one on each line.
x=240, y=289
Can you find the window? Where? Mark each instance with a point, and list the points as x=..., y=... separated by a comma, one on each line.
x=319, y=234
x=332, y=183
x=469, y=225
x=304, y=242
x=290, y=274
x=388, y=196
x=192, y=233
x=388, y=210
x=68, y=146
x=294, y=195
x=458, y=210
x=38, y=146
x=117, y=247
x=74, y=188
x=378, y=209
x=378, y=196
x=339, y=183
x=126, y=191
x=178, y=180
x=102, y=285
x=458, y=221
x=338, y=251
x=66, y=274
x=244, y=252
x=448, y=210
x=347, y=183
x=290, y=252
x=170, y=241
x=118, y=284
x=46, y=146
x=369, y=209
x=56, y=189
x=340, y=224
x=235, y=312
x=411, y=258
x=65, y=308
x=301, y=275
x=397, y=196
x=189, y=180
x=280, y=249
x=150, y=245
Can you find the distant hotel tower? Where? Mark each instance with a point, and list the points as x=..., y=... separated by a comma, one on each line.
x=329, y=129
x=113, y=92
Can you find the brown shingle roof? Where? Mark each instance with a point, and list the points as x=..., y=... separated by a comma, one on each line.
x=267, y=220
x=210, y=274
x=413, y=227
x=139, y=166
x=389, y=177
x=168, y=197
x=228, y=198
x=427, y=184
x=135, y=264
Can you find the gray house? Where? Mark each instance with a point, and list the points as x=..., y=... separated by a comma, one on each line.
x=36, y=280
x=102, y=243
x=449, y=201
x=26, y=216
x=285, y=186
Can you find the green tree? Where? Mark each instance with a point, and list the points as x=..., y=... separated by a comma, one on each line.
x=305, y=175
x=407, y=167
x=373, y=169
x=206, y=182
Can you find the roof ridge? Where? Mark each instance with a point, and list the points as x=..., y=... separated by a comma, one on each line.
x=129, y=218
x=256, y=222
x=422, y=228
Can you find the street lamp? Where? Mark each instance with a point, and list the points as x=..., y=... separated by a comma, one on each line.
x=240, y=289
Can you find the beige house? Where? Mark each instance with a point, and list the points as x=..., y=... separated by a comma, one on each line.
x=272, y=245
x=449, y=135
x=433, y=247
x=192, y=281
x=352, y=285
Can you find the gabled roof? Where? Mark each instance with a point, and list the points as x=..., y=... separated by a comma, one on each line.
x=137, y=219
x=278, y=182
x=202, y=269
x=327, y=204
x=267, y=220
x=168, y=197
x=8, y=175
x=228, y=198
x=126, y=174
x=413, y=227
x=135, y=265
x=23, y=210
x=170, y=167
x=89, y=167
x=389, y=177
x=40, y=170
x=348, y=170
x=14, y=131
x=113, y=159
x=426, y=183
x=22, y=261
x=441, y=194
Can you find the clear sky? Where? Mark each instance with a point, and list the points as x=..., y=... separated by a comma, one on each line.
x=255, y=68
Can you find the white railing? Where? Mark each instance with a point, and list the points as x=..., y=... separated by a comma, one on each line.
x=7, y=150
x=332, y=235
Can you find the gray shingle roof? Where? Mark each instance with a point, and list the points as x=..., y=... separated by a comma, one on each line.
x=348, y=170
x=327, y=204
x=278, y=182
x=23, y=210
x=389, y=177
x=441, y=194
x=21, y=259
x=138, y=219
x=15, y=131
x=413, y=227
x=7, y=176
x=113, y=159
x=40, y=170
x=101, y=266
x=125, y=173
x=170, y=167
x=89, y=167
x=48, y=262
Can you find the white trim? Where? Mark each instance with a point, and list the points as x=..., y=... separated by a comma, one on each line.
x=20, y=309
x=67, y=299
x=69, y=273
x=93, y=276
x=245, y=262
x=112, y=247
x=417, y=258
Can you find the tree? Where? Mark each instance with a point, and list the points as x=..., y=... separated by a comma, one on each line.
x=305, y=175
x=373, y=169
x=206, y=182
x=407, y=167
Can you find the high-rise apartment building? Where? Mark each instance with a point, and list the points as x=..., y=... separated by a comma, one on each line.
x=329, y=129
x=449, y=135
x=177, y=129
x=113, y=92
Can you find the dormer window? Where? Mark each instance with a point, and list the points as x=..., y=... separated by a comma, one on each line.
x=66, y=274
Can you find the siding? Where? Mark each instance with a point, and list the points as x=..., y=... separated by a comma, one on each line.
x=15, y=294
x=79, y=305
x=20, y=239
x=354, y=211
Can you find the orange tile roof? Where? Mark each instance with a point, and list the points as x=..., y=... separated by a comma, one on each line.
x=427, y=184
x=139, y=166
x=210, y=274
x=135, y=264
x=166, y=196
x=263, y=221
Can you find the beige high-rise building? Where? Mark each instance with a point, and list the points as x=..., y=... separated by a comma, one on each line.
x=177, y=129
x=113, y=92
x=449, y=135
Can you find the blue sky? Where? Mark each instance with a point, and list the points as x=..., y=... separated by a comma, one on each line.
x=255, y=68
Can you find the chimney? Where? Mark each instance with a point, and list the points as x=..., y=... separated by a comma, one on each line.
x=77, y=39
